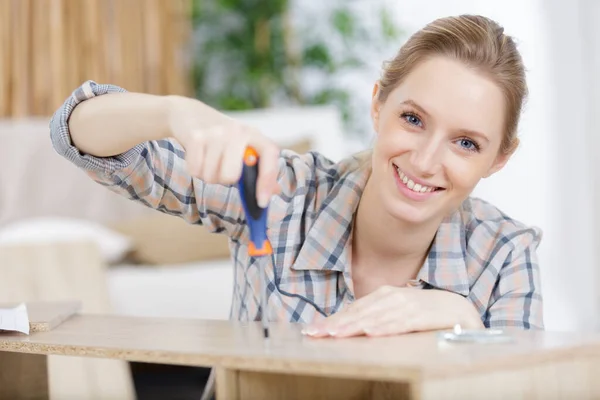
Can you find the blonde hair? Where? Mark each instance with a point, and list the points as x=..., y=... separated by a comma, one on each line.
x=479, y=43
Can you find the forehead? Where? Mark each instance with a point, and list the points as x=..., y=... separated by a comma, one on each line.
x=455, y=96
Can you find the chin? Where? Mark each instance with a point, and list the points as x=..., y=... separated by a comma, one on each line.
x=405, y=212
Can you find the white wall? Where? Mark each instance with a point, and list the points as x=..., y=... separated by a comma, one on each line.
x=590, y=12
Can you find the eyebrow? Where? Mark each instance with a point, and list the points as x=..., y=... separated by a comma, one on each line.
x=415, y=105
x=466, y=132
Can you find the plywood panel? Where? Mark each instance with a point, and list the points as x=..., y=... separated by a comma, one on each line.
x=64, y=272
x=44, y=316
x=23, y=376
x=242, y=346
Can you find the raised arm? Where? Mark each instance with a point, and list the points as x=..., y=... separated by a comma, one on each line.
x=171, y=153
x=109, y=125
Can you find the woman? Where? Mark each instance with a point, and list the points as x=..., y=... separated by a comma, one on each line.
x=355, y=241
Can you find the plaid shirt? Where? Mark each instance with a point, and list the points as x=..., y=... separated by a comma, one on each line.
x=478, y=252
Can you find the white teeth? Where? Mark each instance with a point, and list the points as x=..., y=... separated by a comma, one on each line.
x=415, y=187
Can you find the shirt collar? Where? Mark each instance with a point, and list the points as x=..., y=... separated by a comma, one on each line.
x=325, y=247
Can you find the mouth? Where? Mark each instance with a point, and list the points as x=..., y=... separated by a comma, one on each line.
x=414, y=190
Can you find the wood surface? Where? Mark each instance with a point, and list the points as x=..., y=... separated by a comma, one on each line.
x=539, y=365
x=63, y=272
x=46, y=315
x=570, y=379
x=241, y=346
x=248, y=385
x=23, y=376
x=574, y=377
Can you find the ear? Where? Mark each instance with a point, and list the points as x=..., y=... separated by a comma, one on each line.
x=502, y=159
x=375, y=106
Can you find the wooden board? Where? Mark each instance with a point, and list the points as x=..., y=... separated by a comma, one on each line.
x=256, y=385
x=63, y=272
x=46, y=315
x=24, y=376
x=553, y=380
x=241, y=346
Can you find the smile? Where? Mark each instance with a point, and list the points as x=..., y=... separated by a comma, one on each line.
x=413, y=190
x=415, y=187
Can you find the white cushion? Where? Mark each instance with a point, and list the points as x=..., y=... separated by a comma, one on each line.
x=112, y=245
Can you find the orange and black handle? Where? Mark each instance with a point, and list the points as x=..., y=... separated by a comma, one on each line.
x=256, y=216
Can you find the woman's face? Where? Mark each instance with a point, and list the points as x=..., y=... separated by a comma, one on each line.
x=438, y=133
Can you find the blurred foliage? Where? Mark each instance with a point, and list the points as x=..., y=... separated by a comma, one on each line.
x=249, y=54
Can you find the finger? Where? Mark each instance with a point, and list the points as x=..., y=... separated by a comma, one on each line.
x=194, y=154
x=395, y=326
x=325, y=327
x=213, y=153
x=383, y=298
x=369, y=322
x=411, y=320
x=351, y=320
x=232, y=162
x=367, y=302
x=268, y=169
x=331, y=325
x=357, y=324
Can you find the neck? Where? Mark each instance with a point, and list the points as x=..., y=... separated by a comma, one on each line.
x=386, y=240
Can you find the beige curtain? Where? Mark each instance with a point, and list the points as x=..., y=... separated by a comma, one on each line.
x=49, y=47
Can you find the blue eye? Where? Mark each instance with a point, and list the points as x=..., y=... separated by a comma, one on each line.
x=412, y=119
x=468, y=144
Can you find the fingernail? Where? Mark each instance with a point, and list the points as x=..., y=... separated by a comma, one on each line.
x=309, y=331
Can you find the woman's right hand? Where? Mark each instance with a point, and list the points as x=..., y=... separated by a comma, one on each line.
x=215, y=144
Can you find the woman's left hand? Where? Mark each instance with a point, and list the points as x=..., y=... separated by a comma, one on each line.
x=392, y=310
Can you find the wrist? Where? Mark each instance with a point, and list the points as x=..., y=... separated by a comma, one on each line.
x=174, y=125
x=186, y=116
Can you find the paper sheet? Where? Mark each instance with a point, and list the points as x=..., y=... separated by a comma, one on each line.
x=14, y=319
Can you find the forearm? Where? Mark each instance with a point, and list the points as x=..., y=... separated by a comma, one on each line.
x=139, y=146
x=111, y=124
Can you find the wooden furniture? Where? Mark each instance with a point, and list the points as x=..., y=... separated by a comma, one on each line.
x=45, y=316
x=63, y=272
x=540, y=365
x=27, y=376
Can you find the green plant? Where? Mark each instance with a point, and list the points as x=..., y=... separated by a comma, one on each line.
x=251, y=53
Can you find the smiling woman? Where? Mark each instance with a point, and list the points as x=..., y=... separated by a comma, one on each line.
x=357, y=241
x=445, y=113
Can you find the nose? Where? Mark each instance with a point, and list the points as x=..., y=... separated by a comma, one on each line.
x=426, y=158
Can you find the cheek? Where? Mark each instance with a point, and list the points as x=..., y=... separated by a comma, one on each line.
x=392, y=140
x=464, y=173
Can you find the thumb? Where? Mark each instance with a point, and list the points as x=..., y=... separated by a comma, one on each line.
x=268, y=169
